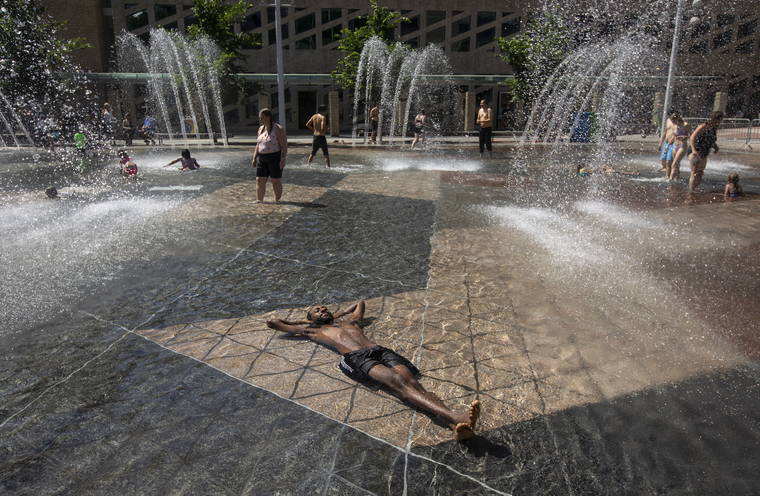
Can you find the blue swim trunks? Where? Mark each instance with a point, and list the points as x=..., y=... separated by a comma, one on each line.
x=668, y=149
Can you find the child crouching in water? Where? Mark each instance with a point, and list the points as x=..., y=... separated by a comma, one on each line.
x=188, y=162
x=128, y=166
x=733, y=188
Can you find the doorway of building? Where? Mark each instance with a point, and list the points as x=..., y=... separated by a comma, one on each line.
x=307, y=106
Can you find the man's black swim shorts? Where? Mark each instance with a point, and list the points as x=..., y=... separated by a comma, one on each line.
x=357, y=364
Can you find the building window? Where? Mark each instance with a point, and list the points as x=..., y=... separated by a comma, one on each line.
x=308, y=43
x=330, y=35
x=722, y=39
x=510, y=27
x=306, y=23
x=745, y=48
x=461, y=45
x=747, y=29
x=434, y=16
x=460, y=26
x=330, y=15
x=486, y=17
x=137, y=20
x=172, y=26
x=189, y=21
x=699, y=48
x=410, y=27
x=252, y=22
x=413, y=42
x=357, y=22
x=164, y=10
x=105, y=4
x=485, y=37
x=271, y=13
x=726, y=19
x=273, y=34
x=437, y=35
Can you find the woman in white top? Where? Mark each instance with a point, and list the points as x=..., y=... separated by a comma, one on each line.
x=269, y=156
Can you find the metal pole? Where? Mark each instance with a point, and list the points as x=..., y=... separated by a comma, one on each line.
x=672, y=68
x=280, y=70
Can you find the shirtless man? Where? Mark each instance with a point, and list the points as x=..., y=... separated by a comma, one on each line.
x=485, y=121
x=364, y=361
x=318, y=125
x=374, y=117
x=667, y=145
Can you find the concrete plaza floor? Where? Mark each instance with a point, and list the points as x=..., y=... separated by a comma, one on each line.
x=609, y=326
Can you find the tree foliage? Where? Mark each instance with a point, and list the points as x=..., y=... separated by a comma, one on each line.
x=381, y=22
x=216, y=19
x=534, y=54
x=36, y=74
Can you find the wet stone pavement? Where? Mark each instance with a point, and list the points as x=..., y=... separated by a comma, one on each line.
x=609, y=326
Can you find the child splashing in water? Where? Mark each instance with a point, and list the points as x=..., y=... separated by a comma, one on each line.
x=128, y=166
x=733, y=188
x=188, y=162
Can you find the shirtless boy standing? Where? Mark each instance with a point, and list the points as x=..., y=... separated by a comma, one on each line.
x=485, y=121
x=318, y=124
x=364, y=360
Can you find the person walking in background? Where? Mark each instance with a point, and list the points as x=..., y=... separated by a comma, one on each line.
x=108, y=122
x=269, y=156
x=127, y=129
x=667, y=145
x=420, y=121
x=485, y=121
x=374, y=118
x=702, y=140
x=318, y=125
x=149, y=130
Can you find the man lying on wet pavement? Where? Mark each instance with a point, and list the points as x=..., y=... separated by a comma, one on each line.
x=367, y=362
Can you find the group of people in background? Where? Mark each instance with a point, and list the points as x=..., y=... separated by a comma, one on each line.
x=422, y=123
x=678, y=139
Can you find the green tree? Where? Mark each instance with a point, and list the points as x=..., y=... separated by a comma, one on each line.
x=38, y=78
x=381, y=22
x=216, y=19
x=534, y=54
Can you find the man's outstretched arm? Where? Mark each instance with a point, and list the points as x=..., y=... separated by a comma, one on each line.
x=291, y=327
x=356, y=310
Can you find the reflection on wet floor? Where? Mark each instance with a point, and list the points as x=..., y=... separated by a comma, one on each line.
x=578, y=310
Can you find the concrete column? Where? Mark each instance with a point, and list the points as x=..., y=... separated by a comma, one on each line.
x=265, y=101
x=595, y=101
x=333, y=109
x=469, y=111
x=721, y=102
x=659, y=101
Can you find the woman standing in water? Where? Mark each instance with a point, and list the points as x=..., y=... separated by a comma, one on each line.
x=269, y=156
x=682, y=144
x=702, y=140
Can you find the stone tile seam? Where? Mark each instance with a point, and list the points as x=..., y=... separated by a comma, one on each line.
x=383, y=441
x=113, y=343
x=418, y=353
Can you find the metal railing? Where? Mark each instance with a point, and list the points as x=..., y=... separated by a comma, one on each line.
x=731, y=129
x=754, y=131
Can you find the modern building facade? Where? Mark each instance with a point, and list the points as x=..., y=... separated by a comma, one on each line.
x=724, y=44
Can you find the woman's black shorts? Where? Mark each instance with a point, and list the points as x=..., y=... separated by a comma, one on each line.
x=268, y=165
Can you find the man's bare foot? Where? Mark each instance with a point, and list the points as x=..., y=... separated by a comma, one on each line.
x=466, y=430
x=463, y=431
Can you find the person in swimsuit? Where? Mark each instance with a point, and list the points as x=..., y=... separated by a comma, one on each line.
x=485, y=121
x=188, y=162
x=733, y=188
x=318, y=125
x=702, y=140
x=420, y=122
x=269, y=156
x=667, y=145
x=374, y=117
x=681, y=142
x=365, y=361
